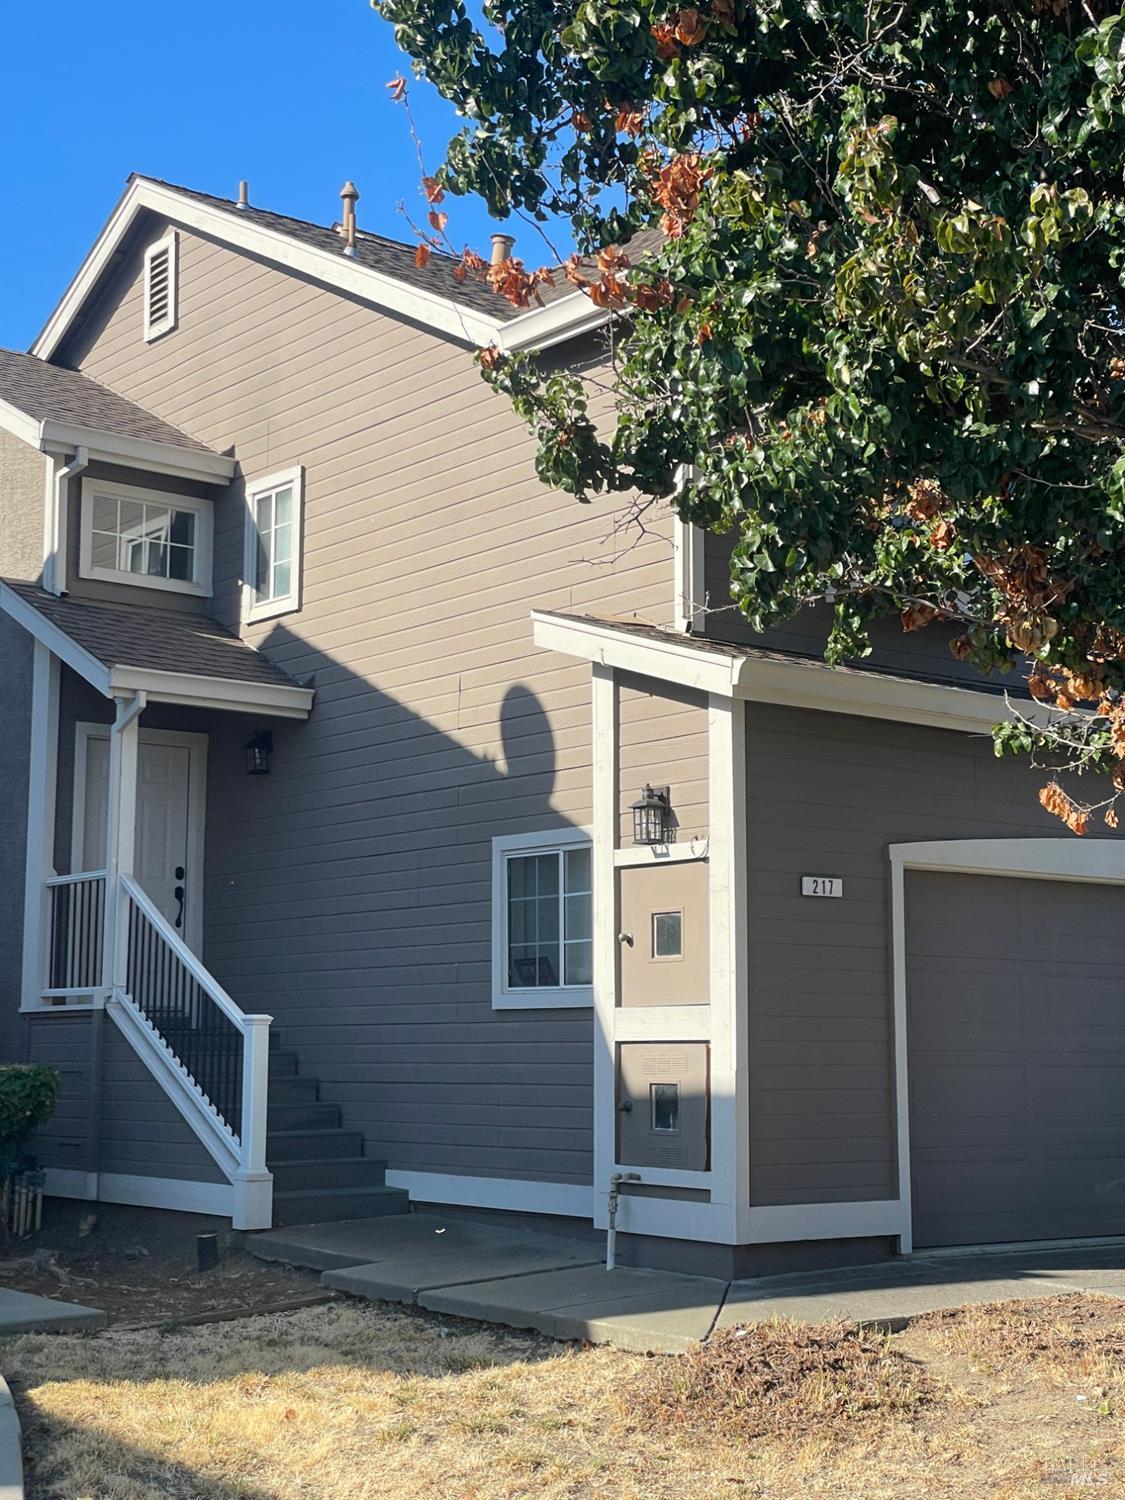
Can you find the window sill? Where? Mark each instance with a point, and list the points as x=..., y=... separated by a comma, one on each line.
x=270, y=611
x=577, y=997
x=145, y=581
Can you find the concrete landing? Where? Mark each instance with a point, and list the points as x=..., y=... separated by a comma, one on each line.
x=497, y=1273
x=11, y=1447
x=649, y=1312
x=21, y=1312
x=891, y=1294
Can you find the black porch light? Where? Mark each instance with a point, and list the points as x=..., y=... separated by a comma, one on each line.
x=258, y=749
x=650, y=816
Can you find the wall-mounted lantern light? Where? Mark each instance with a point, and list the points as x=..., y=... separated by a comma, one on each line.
x=651, y=814
x=258, y=750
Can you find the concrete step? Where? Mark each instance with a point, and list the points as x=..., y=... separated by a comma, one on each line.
x=308, y=1114
x=292, y=1090
x=283, y=1064
x=312, y=1145
x=327, y=1205
x=341, y=1172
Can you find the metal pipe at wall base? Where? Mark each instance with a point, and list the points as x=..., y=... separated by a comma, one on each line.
x=611, y=1233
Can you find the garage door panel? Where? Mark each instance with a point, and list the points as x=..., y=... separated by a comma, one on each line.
x=1016, y=1058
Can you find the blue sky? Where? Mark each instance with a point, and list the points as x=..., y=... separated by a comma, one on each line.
x=289, y=94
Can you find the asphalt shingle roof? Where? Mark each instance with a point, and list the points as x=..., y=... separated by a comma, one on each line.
x=124, y=635
x=46, y=392
x=396, y=259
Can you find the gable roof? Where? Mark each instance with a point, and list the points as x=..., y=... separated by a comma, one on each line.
x=168, y=653
x=382, y=273
x=48, y=405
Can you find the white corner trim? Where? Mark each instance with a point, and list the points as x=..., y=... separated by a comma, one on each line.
x=290, y=602
x=572, y=1200
x=202, y=547
x=350, y=276
x=42, y=781
x=562, y=997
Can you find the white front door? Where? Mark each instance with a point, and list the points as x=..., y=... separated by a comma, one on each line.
x=168, y=853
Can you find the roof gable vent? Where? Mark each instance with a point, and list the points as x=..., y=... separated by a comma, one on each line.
x=160, y=287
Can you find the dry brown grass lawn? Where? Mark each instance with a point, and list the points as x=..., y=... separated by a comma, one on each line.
x=353, y=1402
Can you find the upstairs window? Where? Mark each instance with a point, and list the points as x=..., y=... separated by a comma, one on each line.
x=542, y=917
x=272, y=571
x=160, y=287
x=145, y=537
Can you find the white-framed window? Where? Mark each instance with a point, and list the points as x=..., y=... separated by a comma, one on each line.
x=542, y=920
x=145, y=537
x=272, y=566
x=160, y=289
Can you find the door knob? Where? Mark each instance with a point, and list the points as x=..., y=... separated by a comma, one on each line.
x=179, y=895
x=626, y=1106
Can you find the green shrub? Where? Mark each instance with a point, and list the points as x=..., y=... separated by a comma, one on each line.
x=28, y=1095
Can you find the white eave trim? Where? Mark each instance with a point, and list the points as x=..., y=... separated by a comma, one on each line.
x=370, y=286
x=50, y=436
x=796, y=684
x=544, y=327
x=138, y=453
x=228, y=693
x=277, y=700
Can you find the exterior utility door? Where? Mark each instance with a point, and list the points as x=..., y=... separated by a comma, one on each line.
x=168, y=854
x=1016, y=1057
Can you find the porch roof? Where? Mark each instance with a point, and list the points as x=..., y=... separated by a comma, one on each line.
x=57, y=409
x=172, y=657
x=764, y=675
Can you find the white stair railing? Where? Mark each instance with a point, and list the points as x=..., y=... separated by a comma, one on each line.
x=209, y=1057
x=75, y=926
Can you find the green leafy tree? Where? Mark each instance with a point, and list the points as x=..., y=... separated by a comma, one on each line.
x=881, y=331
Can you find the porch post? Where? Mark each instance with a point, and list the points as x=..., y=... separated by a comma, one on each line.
x=253, y=1182
x=121, y=824
x=43, y=748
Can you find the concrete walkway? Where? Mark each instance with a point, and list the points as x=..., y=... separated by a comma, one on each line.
x=560, y=1287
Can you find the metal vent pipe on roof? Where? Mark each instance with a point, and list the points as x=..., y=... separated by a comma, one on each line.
x=502, y=247
x=243, y=193
x=350, y=195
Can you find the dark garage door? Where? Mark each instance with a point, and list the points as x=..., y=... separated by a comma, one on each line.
x=1016, y=1042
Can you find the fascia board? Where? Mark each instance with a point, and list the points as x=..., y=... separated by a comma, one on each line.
x=141, y=453
x=213, y=692
x=347, y=275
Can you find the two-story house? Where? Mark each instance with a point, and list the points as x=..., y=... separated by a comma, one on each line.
x=318, y=707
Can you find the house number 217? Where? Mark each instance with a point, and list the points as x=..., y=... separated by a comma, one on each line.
x=822, y=885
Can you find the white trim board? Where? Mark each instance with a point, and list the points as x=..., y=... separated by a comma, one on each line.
x=538, y=328
x=183, y=1195
x=63, y=438
x=795, y=684
x=571, y=1200
x=1100, y=861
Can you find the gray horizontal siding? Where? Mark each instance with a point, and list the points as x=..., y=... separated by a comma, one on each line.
x=827, y=794
x=348, y=894
x=141, y=1132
